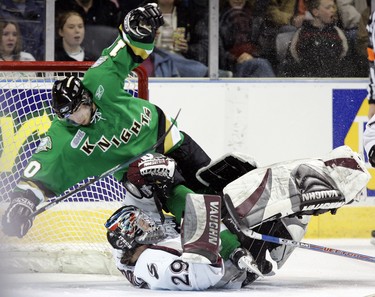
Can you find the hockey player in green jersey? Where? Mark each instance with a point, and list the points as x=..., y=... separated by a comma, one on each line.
x=99, y=125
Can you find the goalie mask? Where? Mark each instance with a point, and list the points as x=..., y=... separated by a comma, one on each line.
x=128, y=228
x=68, y=95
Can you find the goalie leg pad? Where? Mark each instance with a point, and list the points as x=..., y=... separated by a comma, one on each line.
x=200, y=231
x=190, y=157
x=348, y=171
x=308, y=186
x=313, y=191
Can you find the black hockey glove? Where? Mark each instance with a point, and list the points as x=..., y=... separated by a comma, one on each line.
x=16, y=221
x=143, y=21
x=371, y=156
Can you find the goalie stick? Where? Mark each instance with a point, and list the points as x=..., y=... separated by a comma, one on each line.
x=107, y=173
x=250, y=233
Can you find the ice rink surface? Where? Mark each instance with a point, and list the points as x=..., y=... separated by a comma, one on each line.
x=306, y=273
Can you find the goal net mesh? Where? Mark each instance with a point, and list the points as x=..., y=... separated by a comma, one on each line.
x=69, y=237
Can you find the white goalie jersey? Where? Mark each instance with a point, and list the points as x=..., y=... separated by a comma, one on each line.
x=162, y=267
x=182, y=263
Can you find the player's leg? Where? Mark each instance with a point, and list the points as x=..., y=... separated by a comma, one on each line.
x=190, y=157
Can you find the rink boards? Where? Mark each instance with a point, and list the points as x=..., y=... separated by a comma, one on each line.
x=348, y=222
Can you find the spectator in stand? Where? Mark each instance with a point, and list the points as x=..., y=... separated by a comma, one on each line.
x=259, y=14
x=175, y=19
x=362, y=35
x=172, y=39
x=319, y=48
x=172, y=56
x=299, y=14
x=11, y=43
x=239, y=54
x=198, y=47
x=28, y=9
x=281, y=16
x=94, y=12
x=349, y=13
x=285, y=33
x=101, y=19
x=172, y=45
x=197, y=9
x=31, y=20
x=71, y=32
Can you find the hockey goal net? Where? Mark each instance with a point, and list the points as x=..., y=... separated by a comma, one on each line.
x=69, y=237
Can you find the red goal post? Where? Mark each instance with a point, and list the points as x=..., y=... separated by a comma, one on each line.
x=69, y=237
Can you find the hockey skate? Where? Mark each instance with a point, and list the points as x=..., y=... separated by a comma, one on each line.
x=244, y=261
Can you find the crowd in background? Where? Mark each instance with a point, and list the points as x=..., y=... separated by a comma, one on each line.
x=257, y=38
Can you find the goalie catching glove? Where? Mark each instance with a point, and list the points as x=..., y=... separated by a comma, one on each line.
x=143, y=22
x=16, y=219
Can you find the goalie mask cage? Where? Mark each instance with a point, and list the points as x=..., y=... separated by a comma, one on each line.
x=69, y=237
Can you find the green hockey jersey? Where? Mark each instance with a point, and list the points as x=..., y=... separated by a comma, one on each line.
x=123, y=127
